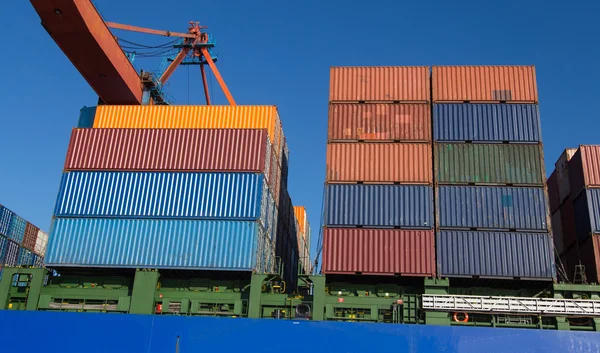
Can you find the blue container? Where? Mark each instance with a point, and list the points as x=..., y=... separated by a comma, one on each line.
x=587, y=213
x=12, y=254
x=5, y=218
x=38, y=261
x=232, y=196
x=495, y=255
x=25, y=257
x=16, y=231
x=487, y=122
x=487, y=207
x=145, y=243
x=403, y=206
x=3, y=249
x=86, y=117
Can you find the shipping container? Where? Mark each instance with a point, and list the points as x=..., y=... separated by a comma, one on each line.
x=500, y=164
x=562, y=174
x=5, y=219
x=487, y=207
x=3, y=249
x=553, y=192
x=25, y=258
x=484, y=83
x=495, y=254
x=379, y=84
x=586, y=207
x=408, y=163
x=403, y=206
x=38, y=261
x=86, y=117
x=584, y=169
x=379, y=122
x=30, y=237
x=40, y=243
x=589, y=254
x=169, y=150
x=567, y=219
x=144, y=243
x=188, y=116
x=378, y=252
x=487, y=123
x=12, y=254
x=16, y=231
x=557, y=232
x=233, y=196
x=300, y=213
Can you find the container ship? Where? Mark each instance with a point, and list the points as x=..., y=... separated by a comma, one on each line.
x=440, y=232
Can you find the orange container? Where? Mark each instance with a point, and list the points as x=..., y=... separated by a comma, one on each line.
x=484, y=84
x=406, y=163
x=300, y=212
x=193, y=116
x=379, y=84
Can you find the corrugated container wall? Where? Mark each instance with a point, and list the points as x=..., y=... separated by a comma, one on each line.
x=518, y=208
x=378, y=252
x=489, y=164
x=406, y=206
x=12, y=254
x=487, y=123
x=569, y=229
x=3, y=249
x=41, y=243
x=553, y=192
x=5, y=219
x=557, y=232
x=169, y=149
x=408, y=163
x=379, y=122
x=562, y=174
x=587, y=213
x=218, y=245
x=484, y=83
x=495, y=254
x=383, y=83
x=584, y=169
x=240, y=196
x=31, y=233
x=16, y=231
x=589, y=254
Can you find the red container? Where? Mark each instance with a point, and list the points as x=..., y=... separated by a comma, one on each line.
x=584, y=169
x=30, y=237
x=379, y=84
x=379, y=122
x=567, y=217
x=378, y=252
x=168, y=150
x=553, y=192
x=589, y=253
x=407, y=163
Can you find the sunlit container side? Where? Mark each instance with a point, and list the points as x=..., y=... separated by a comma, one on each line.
x=16, y=231
x=3, y=249
x=379, y=122
x=408, y=163
x=562, y=167
x=300, y=213
x=40, y=243
x=500, y=164
x=557, y=232
x=404, y=206
x=487, y=123
x=484, y=83
x=25, y=257
x=168, y=150
x=518, y=208
x=589, y=254
x=144, y=243
x=379, y=83
x=233, y=196
x=12, y=254
x=30, y=237
x=495, y=254
x=587, y=213
x=584, y=169
x=5, y=219
x=553, y=192
x=567, y=219
x=378, y=252
x=192, y=117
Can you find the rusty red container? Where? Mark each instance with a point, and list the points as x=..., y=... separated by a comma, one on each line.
x=379, y=122
x=378, y=252
x=584, y=169
x=30, y=237
x=405, y=163
x=168, y=150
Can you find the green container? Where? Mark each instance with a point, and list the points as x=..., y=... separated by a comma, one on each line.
x=501, y=164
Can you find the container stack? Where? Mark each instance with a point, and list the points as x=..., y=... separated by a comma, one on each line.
x=575, y=199
x=304, y=236
x=378, y=212
x=175, y=187
x=491, y=203
x=21, y=243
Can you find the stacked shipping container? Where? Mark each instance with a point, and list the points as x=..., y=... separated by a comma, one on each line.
x=304, y=236
x=491, y=204
x=378, y=193
x=187, y=187
x=21, y=243
x=575, y=195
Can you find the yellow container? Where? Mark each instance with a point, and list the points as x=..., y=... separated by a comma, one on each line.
x=193, y=117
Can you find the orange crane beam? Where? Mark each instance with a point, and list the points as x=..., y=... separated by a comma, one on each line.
x=81, y=33
x=149, y=30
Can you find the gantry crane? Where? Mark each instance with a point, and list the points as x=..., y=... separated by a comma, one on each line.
x=85, y=38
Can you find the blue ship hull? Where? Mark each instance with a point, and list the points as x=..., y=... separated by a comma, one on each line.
x=48, y=332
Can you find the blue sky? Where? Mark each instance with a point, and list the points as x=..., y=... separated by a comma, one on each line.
x=279, y=52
